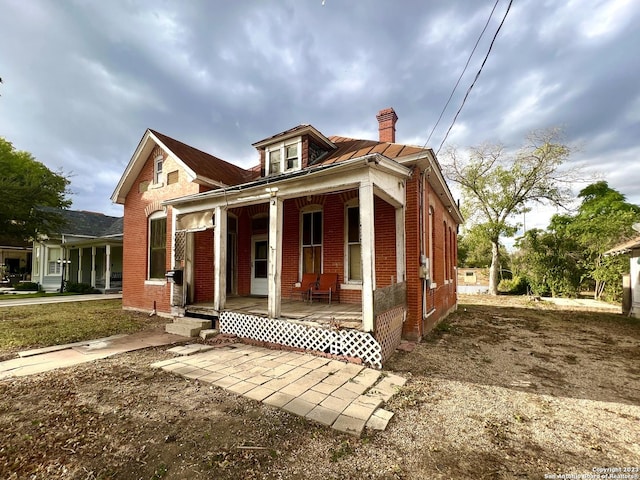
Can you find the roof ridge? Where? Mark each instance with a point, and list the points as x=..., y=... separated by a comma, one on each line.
x=155, y=132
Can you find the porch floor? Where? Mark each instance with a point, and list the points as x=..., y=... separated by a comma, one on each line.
x=345, y=315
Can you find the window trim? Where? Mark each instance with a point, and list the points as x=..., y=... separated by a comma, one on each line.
x=310, y=209
x=157, y=170
x=57, y=266
x=432, y=240
x=159, y=215
x=353, y=203
x=281, y=147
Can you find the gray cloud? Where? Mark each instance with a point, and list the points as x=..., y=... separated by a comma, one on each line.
x=83, y=80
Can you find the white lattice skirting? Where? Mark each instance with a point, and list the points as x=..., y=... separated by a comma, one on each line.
x=352, y=343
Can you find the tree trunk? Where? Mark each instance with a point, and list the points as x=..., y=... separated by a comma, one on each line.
x=493, y=270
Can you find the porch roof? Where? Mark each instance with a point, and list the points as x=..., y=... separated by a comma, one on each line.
x=625, y=247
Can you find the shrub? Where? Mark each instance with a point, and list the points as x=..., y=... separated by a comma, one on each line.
x=513, y=286
x=27, y=286
x=83, y=288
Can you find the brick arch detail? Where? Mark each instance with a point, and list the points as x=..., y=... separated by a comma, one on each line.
x=318, y=200
x=154, y=206
x=254, y=210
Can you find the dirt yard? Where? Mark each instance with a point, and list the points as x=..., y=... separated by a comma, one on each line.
x=509, y=390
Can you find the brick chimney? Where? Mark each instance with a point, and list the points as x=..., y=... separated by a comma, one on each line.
x=387, y=119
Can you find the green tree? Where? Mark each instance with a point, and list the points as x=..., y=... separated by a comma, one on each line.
x=31, y=192
x=498, y=185
x=474, y=248
x=569, y=254
x=604, y=219
x=550, y=260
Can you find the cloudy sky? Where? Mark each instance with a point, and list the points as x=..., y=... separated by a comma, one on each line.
x=82, y=80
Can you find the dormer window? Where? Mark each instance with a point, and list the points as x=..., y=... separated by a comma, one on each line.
x=292, y=157
x=275, y=161
x=284, y=157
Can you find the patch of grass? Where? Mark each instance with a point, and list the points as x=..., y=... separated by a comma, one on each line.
x=343, y=450
x=53, y=324
x=443, y=327
x=160, y=472
x=14, y=296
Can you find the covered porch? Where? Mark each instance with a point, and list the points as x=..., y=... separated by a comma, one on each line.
x=240, y=252
x=321, y=314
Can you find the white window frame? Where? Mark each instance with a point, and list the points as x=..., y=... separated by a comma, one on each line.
x=303, y=211
x=282, y=148
x=57, y=271
x=354, y=203
x=157, y=170
x=149, y=280
x=432, y=238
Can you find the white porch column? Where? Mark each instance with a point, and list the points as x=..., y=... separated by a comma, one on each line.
x=220, y=258
x=107, y=268
x=80, y=279
x=401, y=263
x=93, y=267
x=367, y=242
x=275, y=257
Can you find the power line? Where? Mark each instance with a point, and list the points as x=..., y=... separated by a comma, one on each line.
x=476, y=78
x=461, y=74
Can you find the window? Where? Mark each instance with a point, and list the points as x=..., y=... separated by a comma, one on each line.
x=274, y=162
x=354, y=257
x=157, y=170
x=283, y=157
x=432, y=242
x=292, y=157
x=312, y=242
x=157, y=246
x=445, y=248
x=53, y=266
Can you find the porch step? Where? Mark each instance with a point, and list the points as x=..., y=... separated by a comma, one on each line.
x=187, y=327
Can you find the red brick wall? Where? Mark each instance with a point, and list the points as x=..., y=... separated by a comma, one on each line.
x=135, y=293
x=203, y=276
x=385, y=239
x=411, y=328
x=290, y=246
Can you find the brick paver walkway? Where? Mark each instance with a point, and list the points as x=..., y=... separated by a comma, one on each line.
x=345, y=396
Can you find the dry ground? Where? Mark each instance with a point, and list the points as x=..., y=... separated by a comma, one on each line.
x=509, y=390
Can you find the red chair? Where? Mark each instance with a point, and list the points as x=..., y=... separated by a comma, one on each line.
x=327, y=286
x=309, y=281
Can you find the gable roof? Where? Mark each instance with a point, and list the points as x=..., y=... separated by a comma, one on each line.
x=217, y=173
x=200, y=166
x=90, y=224
x=204, y=165
x=302, y=129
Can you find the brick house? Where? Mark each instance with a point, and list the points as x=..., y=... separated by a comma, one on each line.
x=377, y=214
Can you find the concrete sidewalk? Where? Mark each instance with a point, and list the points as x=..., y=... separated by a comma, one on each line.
x=342, y=395
x=17, y=301
x=44, y=360
x=585, y=304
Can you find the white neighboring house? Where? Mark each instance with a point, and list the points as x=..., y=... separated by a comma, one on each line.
x=630, y=305
x=88, y=249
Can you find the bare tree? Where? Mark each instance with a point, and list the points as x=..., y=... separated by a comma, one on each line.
x=498, y=185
